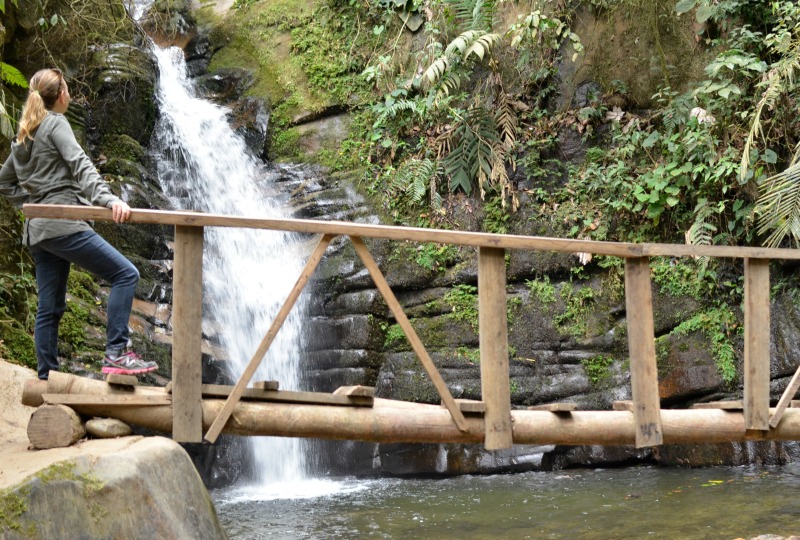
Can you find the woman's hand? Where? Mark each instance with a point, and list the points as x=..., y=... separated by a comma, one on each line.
x=120, y=211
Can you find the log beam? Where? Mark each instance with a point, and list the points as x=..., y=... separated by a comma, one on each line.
x=55, y=426
x=391, y=421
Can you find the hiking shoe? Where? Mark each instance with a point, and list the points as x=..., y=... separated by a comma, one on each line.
x=129, y=363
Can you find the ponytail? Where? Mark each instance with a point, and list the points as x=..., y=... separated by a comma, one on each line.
x=45, y=87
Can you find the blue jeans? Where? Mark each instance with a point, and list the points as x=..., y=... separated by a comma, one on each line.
x=90, y=251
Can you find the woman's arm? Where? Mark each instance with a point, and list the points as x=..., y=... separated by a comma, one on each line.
x=9, y=184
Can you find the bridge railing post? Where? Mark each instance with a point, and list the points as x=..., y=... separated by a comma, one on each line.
x=187, y=320
x=642, y=350
x=493, y=329
x=756, y=344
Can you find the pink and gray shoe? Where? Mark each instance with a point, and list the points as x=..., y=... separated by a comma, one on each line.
x=129, y=363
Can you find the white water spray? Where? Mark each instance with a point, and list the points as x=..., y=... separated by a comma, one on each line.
x=203, y=165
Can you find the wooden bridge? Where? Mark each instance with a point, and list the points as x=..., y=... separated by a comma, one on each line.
x=183, y=410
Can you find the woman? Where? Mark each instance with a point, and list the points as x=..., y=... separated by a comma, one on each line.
x=48, y=166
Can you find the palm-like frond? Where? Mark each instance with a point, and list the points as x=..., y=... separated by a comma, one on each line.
x=472, y=42
x=777, y=82
x=778, y=207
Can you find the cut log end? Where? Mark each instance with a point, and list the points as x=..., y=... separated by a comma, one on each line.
x=55, y=426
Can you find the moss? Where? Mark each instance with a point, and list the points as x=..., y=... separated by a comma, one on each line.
x=285, y=145
x=12, y=507
x=17, y=345
x=82, y=285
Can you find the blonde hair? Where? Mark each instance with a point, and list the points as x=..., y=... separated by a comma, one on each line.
x=44, y=88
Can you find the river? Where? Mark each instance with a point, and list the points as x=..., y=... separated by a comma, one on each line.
x=628, y=503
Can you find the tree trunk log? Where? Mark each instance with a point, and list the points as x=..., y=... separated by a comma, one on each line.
x=396, y=421
x=55, y=426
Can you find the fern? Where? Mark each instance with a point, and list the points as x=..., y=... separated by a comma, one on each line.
x=469, y=43
x=399, y=106
x=474, y=14
x=701, y=233
x=11, y=75
x=473, y=158
x=414, y=178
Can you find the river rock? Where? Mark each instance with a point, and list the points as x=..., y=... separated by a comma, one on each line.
x=150, y=489
x=107, y=428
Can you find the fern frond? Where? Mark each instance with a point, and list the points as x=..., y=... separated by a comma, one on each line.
x=474, y=14
x=413, y=178
x=11, y=75
x=506, y=120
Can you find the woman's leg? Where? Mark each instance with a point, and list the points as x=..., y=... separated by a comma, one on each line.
x=90, y=251
x=51, y=280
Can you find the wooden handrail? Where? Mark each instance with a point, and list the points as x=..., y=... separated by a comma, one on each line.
x=415, y=234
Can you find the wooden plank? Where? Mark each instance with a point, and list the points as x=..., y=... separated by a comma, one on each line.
x=493, y=340
x=622, y=405
x=786, y=399
x=288, y=396
x=265, y=385
x=355, y=391
x=554, y=407
x=732, y=405
x=756, y=344
x=465, y=238
x=219, y=422
x=187, y=319
x=121, y=380
x=121, y=400
x=411, y=334
x=794, y=404
x=642, y=350
x=469, y=406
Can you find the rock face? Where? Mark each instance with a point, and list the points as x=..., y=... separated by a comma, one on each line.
x=149, y=490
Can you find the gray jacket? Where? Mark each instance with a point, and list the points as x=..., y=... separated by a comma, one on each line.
x=52, y=169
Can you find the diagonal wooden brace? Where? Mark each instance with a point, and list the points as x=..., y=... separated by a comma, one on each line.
x=413, y=338
x=236, y=394
x=786, y=398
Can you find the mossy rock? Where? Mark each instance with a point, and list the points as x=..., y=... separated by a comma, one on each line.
x=124, y=84
x=122, y=146
x=17, y=346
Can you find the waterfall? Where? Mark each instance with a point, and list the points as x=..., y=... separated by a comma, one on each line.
x=203, y=165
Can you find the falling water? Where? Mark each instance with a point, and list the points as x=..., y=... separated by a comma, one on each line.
x=204, y=165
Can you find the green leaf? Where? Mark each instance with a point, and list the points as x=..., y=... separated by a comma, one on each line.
x=769, y=156
x=685, y=5
x=672, y=201
x=704, y=13
x=54, y=20
x=651, y=140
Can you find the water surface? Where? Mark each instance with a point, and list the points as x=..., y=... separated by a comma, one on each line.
x=630, y=503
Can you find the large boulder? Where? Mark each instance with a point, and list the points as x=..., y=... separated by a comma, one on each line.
x=149, y=489
x=126, y=487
